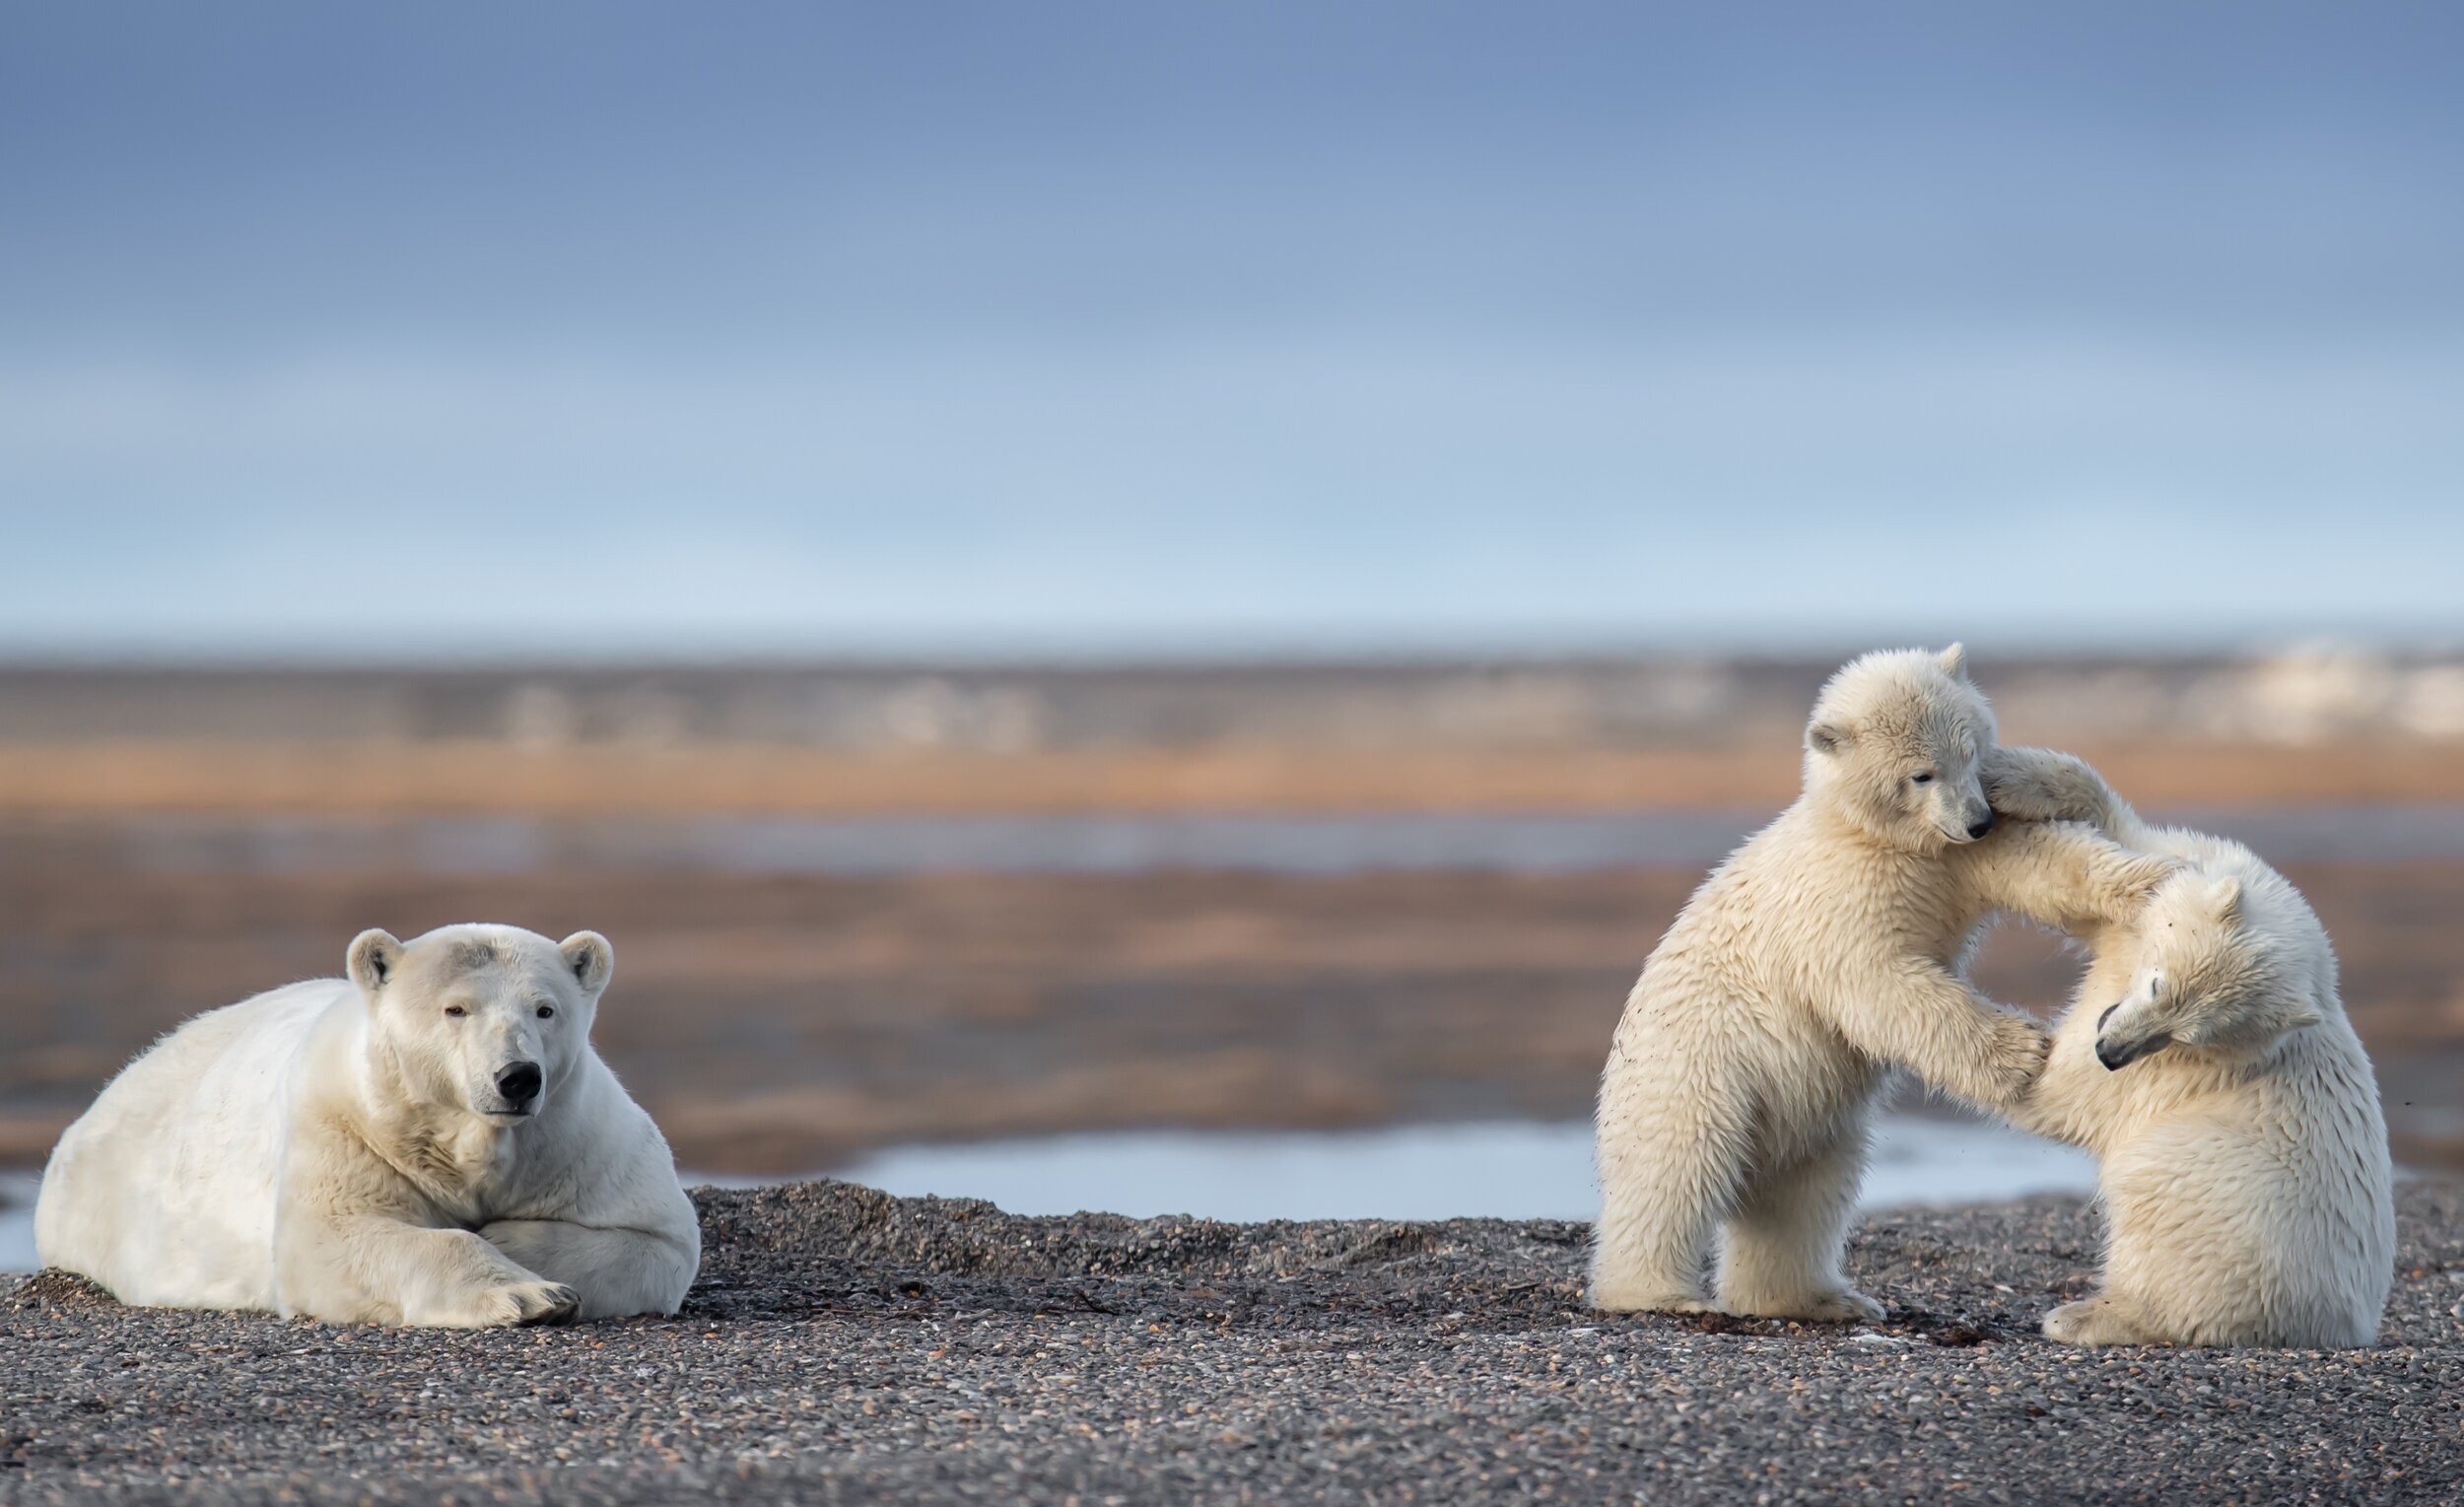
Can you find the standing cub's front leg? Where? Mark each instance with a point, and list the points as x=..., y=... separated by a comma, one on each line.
x=1932, y=1022
x=2060, y=874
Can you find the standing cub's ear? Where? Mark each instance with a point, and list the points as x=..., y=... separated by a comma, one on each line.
x=1954, y=660
x=373, y=959
x=590, y=958
x=1828, y=737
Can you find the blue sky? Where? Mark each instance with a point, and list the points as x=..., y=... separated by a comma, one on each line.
x=616, y=329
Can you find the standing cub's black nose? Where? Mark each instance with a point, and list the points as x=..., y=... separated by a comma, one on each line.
x=520, y=1083
x=1982, y=825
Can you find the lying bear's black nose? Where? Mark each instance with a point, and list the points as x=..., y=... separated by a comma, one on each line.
x=1982, y=825
x=520, y=1083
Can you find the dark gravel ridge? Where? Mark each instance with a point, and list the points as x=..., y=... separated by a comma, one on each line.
x=844, y=1345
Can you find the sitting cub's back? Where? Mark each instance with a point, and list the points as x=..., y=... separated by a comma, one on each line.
x=163, y=1191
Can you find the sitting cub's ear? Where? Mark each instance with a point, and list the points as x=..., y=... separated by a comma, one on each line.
x=1828, y=737
x=2224, y=899
x=373, y=959
x=590, y=958
x=1954, y=660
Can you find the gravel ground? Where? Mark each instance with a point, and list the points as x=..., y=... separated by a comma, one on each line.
x=844, y=1345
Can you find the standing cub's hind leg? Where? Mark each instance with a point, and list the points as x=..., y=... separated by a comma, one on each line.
x=1785, y=1241
x=1669, y=1162
x=1651, y=1250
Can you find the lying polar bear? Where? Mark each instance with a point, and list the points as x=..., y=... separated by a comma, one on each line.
x=431, y=1141
x=2208, y=1063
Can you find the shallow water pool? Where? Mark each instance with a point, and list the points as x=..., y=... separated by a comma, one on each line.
x=1506, y=1170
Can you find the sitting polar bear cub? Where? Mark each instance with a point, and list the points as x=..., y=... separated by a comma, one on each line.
x=2208, y=1063
x=431, y=1141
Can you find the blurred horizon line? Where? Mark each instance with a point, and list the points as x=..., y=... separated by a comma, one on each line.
x=1198, y=649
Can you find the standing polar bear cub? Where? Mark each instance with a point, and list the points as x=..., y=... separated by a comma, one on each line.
x=1826, y=951
x=430, y=1142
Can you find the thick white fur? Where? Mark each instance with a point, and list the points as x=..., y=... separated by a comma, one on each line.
x=342, y=1149
x=1826, y=949
x=2245, y=1177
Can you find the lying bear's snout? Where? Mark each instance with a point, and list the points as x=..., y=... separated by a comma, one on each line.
x=520, y=1083
x=1982, y=825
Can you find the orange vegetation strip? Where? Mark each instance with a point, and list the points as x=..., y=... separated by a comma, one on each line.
x=398, y=778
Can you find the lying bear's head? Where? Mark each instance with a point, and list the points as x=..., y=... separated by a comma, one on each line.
x=2203, y=978
x=1895, y=743
x=488, y=1020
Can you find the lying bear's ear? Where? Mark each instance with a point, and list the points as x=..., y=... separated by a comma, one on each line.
x=1954, y=660
x=374, y=958
x=590, y=958
x=1828, y=737
x=2224, y=899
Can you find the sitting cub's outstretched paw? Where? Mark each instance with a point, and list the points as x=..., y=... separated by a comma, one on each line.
x=2039, y=784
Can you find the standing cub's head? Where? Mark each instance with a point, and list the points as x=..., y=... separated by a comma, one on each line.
x=2208, y=978
x=488, y=1020
x=1895, y=744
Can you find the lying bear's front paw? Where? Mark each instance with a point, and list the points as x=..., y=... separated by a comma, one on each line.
x=534, y=1303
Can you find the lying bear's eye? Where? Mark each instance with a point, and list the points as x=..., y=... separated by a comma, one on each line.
x=455, y=1010
x=546, y=1011
x=1922, y=777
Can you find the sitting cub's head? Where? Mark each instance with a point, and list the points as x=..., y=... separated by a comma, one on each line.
x=1895, y=742
x=488, y=1020
x=2205, y=979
